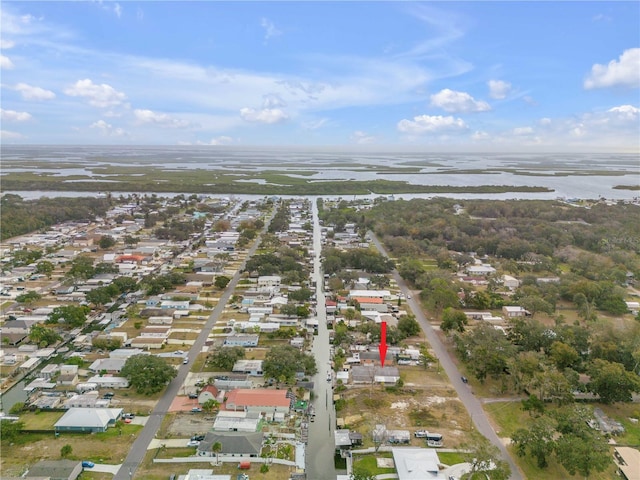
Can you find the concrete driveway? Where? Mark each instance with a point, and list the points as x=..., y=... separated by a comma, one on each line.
x=104, y=468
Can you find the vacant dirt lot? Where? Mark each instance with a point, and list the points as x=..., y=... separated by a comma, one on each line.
x=426, y=402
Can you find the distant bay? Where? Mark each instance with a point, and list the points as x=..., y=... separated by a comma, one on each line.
x=32, y=171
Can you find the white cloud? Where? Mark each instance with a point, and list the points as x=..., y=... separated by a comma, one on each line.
x=117, y=9
x=162, y=119
x=522, y=131
x=362, y=138
x=13, y=116
x=499, y=89
x=545, y=121
x=624, y=72
x=107, y=129
x=6, y=44
x=7, y=135
x=29, y=92
x=529, y=100
x=265, y=115
x=430, y=124
x=625, y=112
x=101, y=96
x=270, y=29
x=6, y=63
x=454, y=102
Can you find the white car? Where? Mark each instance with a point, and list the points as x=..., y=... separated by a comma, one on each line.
x=193, y=443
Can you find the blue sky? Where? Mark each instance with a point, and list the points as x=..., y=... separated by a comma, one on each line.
x=468, y=76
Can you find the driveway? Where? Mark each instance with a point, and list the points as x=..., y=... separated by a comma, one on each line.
x=104, y=468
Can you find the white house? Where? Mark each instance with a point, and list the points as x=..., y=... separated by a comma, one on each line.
x=250, y=367
x=108, y=381
x=265, y=281
x=514, y=311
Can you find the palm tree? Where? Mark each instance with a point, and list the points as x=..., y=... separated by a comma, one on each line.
x=216, y=448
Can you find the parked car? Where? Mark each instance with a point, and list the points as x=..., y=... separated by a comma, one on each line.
x=193, y=443
x=193, y=395
x=464, y=379
x=421, y=434
x=197, y=438
x=196, y=409
x=88, y=464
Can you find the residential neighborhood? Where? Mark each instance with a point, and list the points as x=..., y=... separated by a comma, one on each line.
x=234, y=331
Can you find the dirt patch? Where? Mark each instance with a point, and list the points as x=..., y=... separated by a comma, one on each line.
x=188, y=424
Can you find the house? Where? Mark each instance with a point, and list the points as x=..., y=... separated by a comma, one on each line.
x=148, y=342
x=126, y=352
x=417, y=464
x=108, y=381
x=49, y=371
x=160, y=320
x=297, y=342
x=258, y=400
x=153, y=301
x=209, y=392
x=514, y=311
x=628, y=460
x=241, y=341
x=87, y=400
x=68, y=375
x=249, y=367
x=267, y=281
x=510, y=282
x=373, y=374
x=236, y=422
x=342, y=439
x=481, y=270
x=109, y=365
x=162, y=331
x=87, y=420
x=634, y=307
x=55, y=470
x=174, y=304
x=239, y=444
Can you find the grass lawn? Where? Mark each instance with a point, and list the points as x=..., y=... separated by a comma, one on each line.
x=109, y=447
x=451, y=458
x=40, y=420
x=367, y=464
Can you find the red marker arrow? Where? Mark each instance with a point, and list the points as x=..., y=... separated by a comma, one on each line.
x=383, y=342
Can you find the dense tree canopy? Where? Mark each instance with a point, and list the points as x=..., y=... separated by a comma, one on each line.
x=283, y=361
x=20, y=216
x=69, y=316
x=225, y=357
x=148, y=374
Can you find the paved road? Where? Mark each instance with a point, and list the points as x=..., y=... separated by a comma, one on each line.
x=472, y=404
x=140, y=445
x=321, y=444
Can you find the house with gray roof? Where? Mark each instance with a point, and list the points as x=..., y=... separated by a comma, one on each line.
x=56, y=470
x=232, y=443
x=87, y=420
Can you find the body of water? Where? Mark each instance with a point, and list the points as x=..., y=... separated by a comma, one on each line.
x=569, y=175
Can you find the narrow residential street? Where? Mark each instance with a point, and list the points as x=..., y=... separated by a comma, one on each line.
x=471, y=403
x=321, y=446
x=141, y=444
